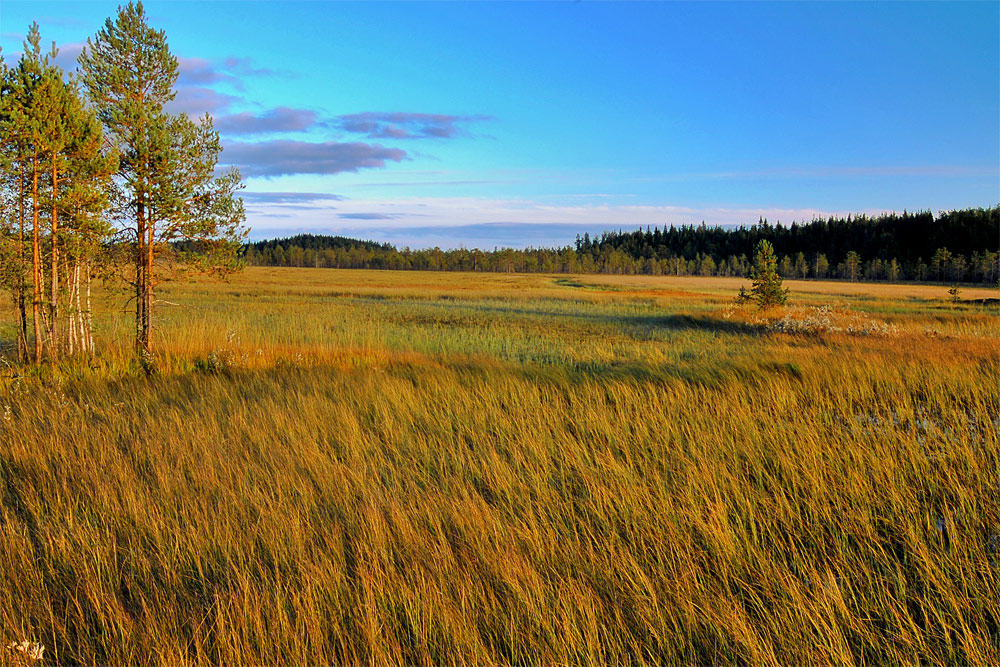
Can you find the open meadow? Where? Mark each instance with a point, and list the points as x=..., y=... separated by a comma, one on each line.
x=364, y=467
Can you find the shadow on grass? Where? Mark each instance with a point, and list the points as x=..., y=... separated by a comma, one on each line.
x=650, y=322
x=746, y=374
x=705, y=323
x=981, y=302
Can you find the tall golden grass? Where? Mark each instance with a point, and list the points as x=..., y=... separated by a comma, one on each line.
x=336, y=467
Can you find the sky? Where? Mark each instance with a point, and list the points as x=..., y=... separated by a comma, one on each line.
x=526, y=123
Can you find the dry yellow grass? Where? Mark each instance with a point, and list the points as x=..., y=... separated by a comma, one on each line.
x=889, y=291
x=347, y=467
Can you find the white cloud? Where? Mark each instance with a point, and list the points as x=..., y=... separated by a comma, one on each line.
x=468, y=220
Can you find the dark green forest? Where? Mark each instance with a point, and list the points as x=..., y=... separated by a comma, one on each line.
x=956, y=246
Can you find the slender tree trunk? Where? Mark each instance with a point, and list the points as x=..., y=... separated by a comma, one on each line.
x=81, y=332
x=88, y=321
x=54, y=291
x=36, y=261
x=73, y=283
x=22, y=315
x=140, y=272
x=147, y=332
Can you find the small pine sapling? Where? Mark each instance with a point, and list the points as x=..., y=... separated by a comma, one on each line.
x=766, y=290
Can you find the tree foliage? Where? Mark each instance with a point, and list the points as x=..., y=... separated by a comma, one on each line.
x=83, y=186
x=767, y=290
x=167, y=190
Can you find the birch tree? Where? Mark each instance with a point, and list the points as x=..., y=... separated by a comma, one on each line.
x=56, y=165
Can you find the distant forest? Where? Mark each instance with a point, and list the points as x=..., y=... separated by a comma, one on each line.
x=958, y=246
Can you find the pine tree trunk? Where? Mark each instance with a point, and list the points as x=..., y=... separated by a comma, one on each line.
x=54, y=292
x=22, y=315
x=147, y=332
x=36, y=261
x=140, y=273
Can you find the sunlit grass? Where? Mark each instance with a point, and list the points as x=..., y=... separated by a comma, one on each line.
x=341, y=467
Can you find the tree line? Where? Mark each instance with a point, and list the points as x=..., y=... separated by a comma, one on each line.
x=958, y=246
x=99, y=180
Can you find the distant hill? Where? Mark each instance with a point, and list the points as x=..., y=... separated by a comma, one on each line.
x=317, y=242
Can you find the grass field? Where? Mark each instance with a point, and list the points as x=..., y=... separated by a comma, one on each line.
x=359, y=467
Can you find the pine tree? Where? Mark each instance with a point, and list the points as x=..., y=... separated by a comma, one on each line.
x=766, y=290
x=53, y=157
x=801, y=267
x=13, y=271
x=168, y=190
x=852, y=266
x=32, y=119
x=822, y=266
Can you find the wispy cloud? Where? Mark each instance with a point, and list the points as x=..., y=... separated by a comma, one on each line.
x=68, y=55
x=201, y=72
x=196, y=100
x=482, y=222
x=485, y=236
x=60, y=22
x=245, y=67
x=281, y=157
x=231, y=70
x=397, y=125
x=196, y=93
x=65, y=58
x=398, y=184
x=366, y=216
x=278, y=198
x=822, y=171
x=405, y=125
x=279, y=119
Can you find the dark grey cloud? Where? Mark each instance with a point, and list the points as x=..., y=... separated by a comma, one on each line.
x=404, y=125
x=366, y=216
x=280, y=119
x=288, y=197
x=277, y=158
x=195, y=101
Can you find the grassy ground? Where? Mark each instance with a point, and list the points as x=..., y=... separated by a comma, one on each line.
x=340, y=467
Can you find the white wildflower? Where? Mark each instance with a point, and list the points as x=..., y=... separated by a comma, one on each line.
x=31, y=650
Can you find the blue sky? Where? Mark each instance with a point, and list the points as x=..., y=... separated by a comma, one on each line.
x=485, y=124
